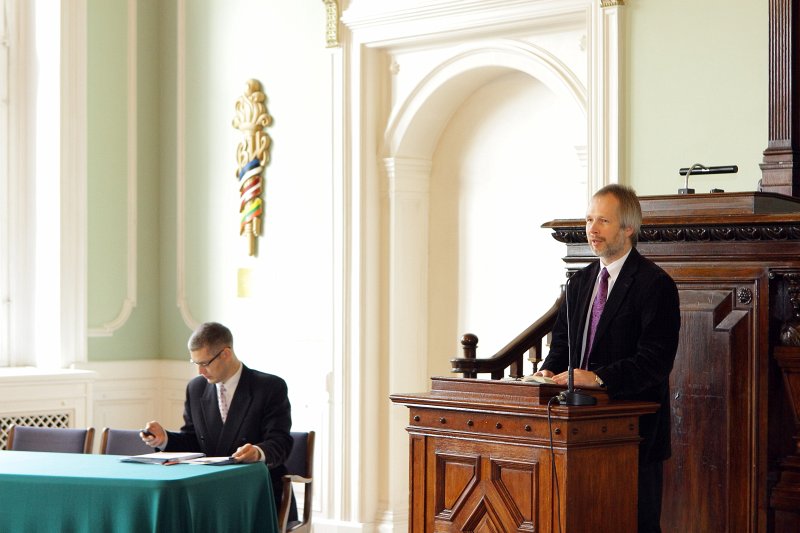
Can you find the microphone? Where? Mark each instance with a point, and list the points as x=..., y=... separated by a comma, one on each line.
x=570, y=397
x=701, y=170
x=698, y=169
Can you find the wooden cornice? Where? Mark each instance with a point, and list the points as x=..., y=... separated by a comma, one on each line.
x=748, y=216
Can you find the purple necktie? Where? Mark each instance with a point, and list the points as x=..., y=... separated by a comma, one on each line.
x=597, y=310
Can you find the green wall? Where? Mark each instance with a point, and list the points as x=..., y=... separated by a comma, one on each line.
x=107, y=161
x=695, y=91
x=226, y=43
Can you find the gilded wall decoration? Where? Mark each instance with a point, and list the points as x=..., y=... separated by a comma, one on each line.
x=252, y=155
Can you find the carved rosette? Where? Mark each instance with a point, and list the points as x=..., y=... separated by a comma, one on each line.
x=252, y=155
x=744, y=295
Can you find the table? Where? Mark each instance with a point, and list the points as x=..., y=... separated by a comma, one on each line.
x=45, y=492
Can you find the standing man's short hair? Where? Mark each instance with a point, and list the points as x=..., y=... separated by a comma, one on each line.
x=211, y=334
x=630, y=210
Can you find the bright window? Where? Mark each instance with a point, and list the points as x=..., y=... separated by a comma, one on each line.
x=4, y=182
x=42, y=240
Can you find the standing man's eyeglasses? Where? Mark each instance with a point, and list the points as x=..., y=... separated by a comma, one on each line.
x=206, y=363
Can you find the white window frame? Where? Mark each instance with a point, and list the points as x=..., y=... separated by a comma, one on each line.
x=43, y=186
x=4, y=164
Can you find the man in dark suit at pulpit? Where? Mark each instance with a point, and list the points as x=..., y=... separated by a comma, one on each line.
x=620, y=323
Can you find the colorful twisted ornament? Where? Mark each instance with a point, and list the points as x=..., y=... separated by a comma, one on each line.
x=252, y=156
x=251, y=206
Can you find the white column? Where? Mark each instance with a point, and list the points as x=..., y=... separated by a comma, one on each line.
x=605, y=128
x=73, y=193
x=409, y=200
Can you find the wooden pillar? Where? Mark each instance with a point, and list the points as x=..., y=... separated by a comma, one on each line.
x=780, y=170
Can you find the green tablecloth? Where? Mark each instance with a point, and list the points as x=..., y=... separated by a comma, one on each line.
x=64, y=493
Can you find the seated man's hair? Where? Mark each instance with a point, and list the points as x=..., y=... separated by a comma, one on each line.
x=211, y=334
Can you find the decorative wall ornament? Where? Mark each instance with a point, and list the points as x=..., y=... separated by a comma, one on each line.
x=332, y=23
x=252, y=155
x=611, y=3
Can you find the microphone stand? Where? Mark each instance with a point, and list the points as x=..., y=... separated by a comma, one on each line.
x=570, y=396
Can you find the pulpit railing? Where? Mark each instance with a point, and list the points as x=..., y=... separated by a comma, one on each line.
x=511, y=356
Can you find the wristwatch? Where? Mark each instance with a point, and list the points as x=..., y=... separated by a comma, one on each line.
x=599, y=381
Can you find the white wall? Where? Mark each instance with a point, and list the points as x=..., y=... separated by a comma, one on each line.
x=509, y=160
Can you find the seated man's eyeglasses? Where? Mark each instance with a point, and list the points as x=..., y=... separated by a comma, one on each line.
x=206, y=363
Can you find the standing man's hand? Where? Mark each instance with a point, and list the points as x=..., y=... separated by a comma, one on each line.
x=583, y=379
x=154, y=435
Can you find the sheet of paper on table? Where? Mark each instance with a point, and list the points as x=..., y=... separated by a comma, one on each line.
x=214, y=461
x=160, y=458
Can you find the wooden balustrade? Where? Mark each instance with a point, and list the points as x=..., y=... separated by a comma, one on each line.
x=511, y=355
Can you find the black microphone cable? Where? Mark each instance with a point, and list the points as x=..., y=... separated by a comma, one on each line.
x=553, y=465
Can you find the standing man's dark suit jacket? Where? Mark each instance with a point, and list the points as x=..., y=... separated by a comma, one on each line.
x=635, y=343
x=259, y=414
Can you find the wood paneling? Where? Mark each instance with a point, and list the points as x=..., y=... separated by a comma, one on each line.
x=481, y=459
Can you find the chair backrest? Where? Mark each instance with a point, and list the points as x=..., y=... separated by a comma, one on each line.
x=300, y=465
x=123, y=442
x=36, y=439
x=301, y=459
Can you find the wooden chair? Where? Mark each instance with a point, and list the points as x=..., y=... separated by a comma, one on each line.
x=36, y=439
x=301, y=470
x=123, y=442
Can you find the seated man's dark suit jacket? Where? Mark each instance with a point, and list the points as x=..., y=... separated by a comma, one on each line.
x=259, y=414
x=635, y=343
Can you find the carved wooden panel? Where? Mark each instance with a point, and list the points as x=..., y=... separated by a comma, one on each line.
x=516, y=483
x=711, y=401
x=484, y=491
x=456, y=477
x=481, y=459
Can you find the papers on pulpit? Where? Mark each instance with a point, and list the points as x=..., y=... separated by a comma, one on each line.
x=539, y=379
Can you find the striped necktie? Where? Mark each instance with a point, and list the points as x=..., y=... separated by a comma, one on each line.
x=223, y=402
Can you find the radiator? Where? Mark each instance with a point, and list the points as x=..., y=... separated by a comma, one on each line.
x=44, y=420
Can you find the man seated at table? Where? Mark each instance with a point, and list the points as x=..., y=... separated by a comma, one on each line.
x=231, y=410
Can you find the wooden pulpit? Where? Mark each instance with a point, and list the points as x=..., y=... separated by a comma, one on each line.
x=735, y=386
x=735, y=399
x=492, y=455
